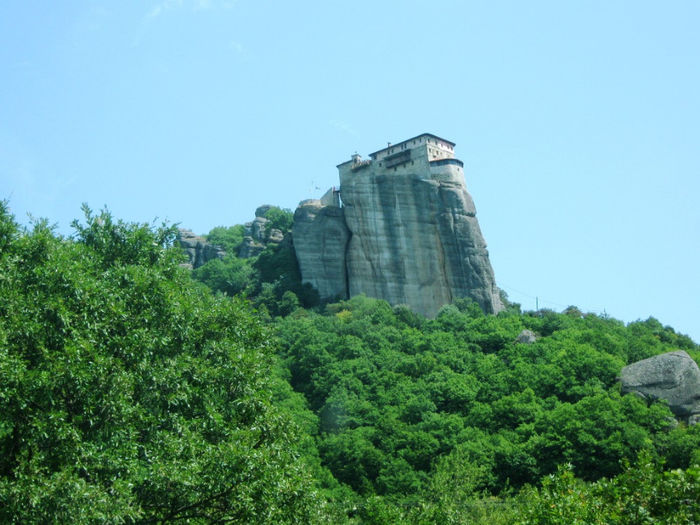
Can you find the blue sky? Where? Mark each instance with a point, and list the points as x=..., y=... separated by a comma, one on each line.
x=578, y=123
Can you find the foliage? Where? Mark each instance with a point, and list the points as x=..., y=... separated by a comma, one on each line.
x=279, y=218
x=278, y=268
x=128, y=395
x=230, y=276
x=643, y=493
x=272, y=280
x=229, y=238
x=399, y=398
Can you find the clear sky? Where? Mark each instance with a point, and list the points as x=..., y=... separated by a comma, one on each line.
x=578, y=123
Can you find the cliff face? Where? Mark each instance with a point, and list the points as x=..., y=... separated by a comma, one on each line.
x=416, y=241
x=320, y=242
x=413, y=237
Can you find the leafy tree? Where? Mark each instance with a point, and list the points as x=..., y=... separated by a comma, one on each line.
x=454, y=497
x=230, y=276
x=462, y=383
x=128, y=395
x=279, y=218
x=229, y=238
x=642, y=493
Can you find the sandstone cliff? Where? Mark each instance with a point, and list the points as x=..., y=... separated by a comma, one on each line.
x=320, y=241
x=413, y=237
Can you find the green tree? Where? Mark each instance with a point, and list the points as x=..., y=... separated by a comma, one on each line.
x=279, y=218
x=230, y=275
x=128, y=395
x=229, y=238
x=642, y=493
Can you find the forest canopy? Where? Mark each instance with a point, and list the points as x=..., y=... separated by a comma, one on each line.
x=132, y=392
x=129, y=395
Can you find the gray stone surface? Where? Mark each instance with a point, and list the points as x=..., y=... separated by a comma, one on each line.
x=526, y=337
x=260, y=211
x=320, y=241
x=412, y=234
x=258, y=229
x=416, y=241
x=673, y=376
x=258, y=234
x=198, y=250
x=275, y=236
x=250, y=247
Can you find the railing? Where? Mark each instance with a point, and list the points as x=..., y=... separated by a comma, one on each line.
x=444, y=162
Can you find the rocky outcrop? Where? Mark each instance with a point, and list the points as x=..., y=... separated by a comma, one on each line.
x=197, y=249
x=258, y=234
x=320, y=240
x=673, y=376
x=412, y=234
x=250, y=248
x=416, y=241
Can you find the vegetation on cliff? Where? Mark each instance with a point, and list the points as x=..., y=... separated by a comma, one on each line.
x=270, y=279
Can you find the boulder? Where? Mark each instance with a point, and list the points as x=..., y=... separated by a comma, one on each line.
x=261, y=211
x=673, y=376
x=275, y=235
x=260, y=229
x=526, y=337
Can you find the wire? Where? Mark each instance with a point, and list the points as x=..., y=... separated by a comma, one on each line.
x=541, y=300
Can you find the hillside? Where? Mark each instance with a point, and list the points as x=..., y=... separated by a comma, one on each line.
x=132, y=393
x=404, y=402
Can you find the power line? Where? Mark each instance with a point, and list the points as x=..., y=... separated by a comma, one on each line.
x=538, y=299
